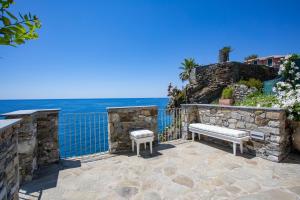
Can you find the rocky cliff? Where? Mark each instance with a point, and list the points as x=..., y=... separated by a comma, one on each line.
x=208, y=81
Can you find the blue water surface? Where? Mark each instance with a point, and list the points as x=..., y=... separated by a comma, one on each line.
x=79, y=105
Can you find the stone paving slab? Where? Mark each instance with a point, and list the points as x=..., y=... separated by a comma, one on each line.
x=178, y=170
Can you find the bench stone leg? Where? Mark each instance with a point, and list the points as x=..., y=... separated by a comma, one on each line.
x=193, y=136
x=145, y=145
x=138, y=149
x=132, y=145
x=199, y=136
x=151, y=147
x=241, y=147
x=234, y=149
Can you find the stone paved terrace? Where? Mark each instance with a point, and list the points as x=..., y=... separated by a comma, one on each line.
x=178, y=170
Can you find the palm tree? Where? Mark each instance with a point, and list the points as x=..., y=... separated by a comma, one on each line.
x=224, y=54
x=187, y=67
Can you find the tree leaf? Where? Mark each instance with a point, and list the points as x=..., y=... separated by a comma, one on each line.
x=26, y=17
x=6, y=21
x=7, y=31
x=11, y=15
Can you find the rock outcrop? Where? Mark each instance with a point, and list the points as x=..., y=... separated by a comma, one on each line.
x=208, y=81
x=240, y=92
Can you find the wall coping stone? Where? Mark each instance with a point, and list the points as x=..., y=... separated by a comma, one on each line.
x=129, y=107
x=6, y=123
x=234, y=107
x=29, y=112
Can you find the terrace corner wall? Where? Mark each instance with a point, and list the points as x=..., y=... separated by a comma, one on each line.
x=271, y=122
x=47, y=137
x=9, y=162
x=122, y=120
x=37, y=140
x=27, y=144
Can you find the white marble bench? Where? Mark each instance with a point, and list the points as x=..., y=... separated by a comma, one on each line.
x=141, y=136
x=223, y=133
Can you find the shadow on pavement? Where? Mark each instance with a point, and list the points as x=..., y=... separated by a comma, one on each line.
x=45, y=178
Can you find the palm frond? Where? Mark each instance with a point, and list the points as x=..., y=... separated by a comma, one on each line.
x=187, y=66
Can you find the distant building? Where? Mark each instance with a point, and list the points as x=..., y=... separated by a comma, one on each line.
x=271, y=61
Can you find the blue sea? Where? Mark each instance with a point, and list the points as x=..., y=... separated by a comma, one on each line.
x=79, y=105
x=83, y=122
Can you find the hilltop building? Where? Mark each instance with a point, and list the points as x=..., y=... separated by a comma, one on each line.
x=271, y=61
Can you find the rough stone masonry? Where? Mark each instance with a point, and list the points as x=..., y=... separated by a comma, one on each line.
x=122, y=120
x=269, y=121
x=9, y=162
x=207, y=82
x=37, y=139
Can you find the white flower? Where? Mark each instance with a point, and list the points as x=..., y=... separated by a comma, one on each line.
x=287, y=57
x=293, y=64
x=288, y=92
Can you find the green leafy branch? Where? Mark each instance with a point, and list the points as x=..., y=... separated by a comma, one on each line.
x=16, y=30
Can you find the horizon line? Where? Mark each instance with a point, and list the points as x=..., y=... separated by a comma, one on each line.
x=84, y=98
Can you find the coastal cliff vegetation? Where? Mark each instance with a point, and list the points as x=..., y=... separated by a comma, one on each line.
x=206, y=84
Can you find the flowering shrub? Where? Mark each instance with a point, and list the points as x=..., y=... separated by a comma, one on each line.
x=288, y=91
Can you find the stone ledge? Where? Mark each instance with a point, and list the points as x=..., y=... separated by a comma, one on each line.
x=234, y=107
x=28, y=112
x=6, y=123
x=109, y=109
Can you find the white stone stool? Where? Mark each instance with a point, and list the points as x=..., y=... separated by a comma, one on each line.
x=141, y=136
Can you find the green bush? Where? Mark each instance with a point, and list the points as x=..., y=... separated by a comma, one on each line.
x=243, y=82
x=252, y=82
x=260, y=99
x=227, y=93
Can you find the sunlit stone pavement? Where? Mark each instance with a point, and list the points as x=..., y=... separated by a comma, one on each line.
x=178, y=170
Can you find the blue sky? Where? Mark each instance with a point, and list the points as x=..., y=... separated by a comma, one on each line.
x=133, y=48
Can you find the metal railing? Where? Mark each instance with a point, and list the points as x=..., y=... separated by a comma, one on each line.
x=169, y=124
x=83, y=134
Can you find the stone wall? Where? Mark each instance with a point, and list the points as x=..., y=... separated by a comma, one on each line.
x=27, y=144
x=9, y=162
x=295, y=127
x=240, y=92
x=47, y=137
x=271, y=122
x=122, y=120
x=38, y=139
x=209, y=81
